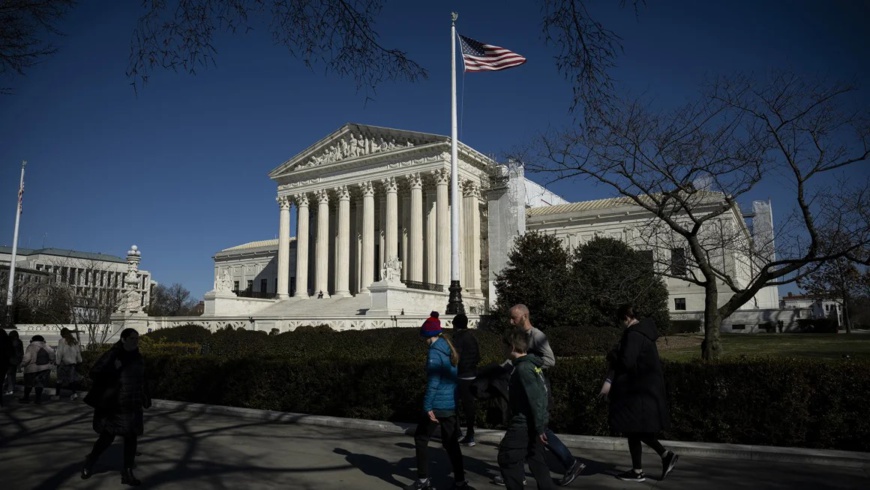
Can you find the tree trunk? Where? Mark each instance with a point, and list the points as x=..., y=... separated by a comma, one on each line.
x=711, y=347
x=846, y=321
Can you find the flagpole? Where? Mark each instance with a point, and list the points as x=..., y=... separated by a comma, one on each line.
x=454, y=303
x=10, y=291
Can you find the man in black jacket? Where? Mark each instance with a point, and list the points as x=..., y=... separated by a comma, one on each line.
x=5, y=355
x=469, y=357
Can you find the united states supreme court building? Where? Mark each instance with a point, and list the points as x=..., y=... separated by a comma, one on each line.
x=372, y=237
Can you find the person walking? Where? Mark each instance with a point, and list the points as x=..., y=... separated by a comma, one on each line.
x=36, y=362
x=526, y=433
x=636, y=387
x=69, y=356
x=469, y=358
x=14, y=362
x=5, y=356
x=118, y=396
x=439, y=406
x=543, y=354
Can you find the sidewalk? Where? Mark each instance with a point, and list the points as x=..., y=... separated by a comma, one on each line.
x=41, y=447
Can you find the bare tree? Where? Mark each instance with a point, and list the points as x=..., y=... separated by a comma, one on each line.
x=838, y=280
x=173, y=300
x=25, y=26
x=341, y=34
x=587, y=50
x=689, y=167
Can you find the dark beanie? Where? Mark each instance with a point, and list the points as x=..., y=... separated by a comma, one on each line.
x=432, y=326
x=460, y=321
x=37, y=338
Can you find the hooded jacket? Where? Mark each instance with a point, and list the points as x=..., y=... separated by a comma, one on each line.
x=28, y=362
x=440, y=380
x=638, y=400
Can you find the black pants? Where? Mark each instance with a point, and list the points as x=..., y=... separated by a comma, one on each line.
x=519, y=446
x=449, y=439
x=3, y=370
x=636, y=451
x=465, y=399
x=105, y=440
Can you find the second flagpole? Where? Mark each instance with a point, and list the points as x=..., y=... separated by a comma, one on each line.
x=454, y=303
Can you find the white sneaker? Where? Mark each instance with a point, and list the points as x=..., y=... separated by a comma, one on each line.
x=73, y=397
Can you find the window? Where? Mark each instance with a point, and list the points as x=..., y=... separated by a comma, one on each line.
x=645, y=258
x=235, y=286
x=250, y=286
x=680, y=304
x=738, y=327
x=264, y=285
x=678, y=261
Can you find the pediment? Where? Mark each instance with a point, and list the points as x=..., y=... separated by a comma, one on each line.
x=354, y=141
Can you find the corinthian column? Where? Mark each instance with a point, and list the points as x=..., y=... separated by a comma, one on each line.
x=392, y=221
x=431, y=240
x=342, y=266
x=415, y=241
x=321, y=272
x=442, y=179
x=283, y=246
x=472, y=243
x=368, y=237
x=302, y=246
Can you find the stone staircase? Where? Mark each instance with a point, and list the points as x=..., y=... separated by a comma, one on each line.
x=318, y=308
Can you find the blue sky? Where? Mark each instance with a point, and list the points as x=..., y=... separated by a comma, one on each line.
x=181, y=168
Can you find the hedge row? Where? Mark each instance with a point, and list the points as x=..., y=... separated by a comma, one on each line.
x=767, y=401
x=384, y=343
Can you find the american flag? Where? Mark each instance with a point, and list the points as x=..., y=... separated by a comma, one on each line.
x=21, y=198
x=486, y=57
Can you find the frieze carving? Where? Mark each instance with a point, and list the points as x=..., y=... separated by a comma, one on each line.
x=352, y=146
x=299, y=184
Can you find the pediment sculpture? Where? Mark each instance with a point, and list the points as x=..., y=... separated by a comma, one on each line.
x=352, y=146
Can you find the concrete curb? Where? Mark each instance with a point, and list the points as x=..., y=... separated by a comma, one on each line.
x=851, y=459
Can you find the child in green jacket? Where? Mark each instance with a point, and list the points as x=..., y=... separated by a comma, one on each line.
x=525, y=436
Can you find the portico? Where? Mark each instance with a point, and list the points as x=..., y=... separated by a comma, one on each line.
x=372, y=202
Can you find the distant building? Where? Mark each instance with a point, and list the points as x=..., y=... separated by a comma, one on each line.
x=95, y=278
x=813, y=307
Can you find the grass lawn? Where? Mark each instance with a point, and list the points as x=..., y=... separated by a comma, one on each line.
x=686, y=347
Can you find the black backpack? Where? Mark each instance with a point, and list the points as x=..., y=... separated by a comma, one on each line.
x=42, y=357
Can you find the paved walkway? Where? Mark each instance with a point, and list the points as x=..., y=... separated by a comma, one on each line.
x=41, y=448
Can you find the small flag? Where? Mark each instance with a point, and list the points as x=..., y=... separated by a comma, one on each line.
x=21, y=198
x=486, y=57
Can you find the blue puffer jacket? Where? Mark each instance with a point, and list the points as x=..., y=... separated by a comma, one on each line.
x=441, y=379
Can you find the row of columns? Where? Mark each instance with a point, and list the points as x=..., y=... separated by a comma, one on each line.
x=429, y=220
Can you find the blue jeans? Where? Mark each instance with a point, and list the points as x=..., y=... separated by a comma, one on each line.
x=558, y=449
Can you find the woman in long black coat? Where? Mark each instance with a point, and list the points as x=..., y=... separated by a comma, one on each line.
x=636, y=386
x=118, y=397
